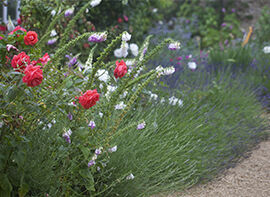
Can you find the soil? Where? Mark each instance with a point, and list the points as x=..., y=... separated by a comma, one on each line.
x=250, y=178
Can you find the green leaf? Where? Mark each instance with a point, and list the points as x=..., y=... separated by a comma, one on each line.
x=86, y=173
x=5, y=186
x=85, y=151
x=23, y=189
x=69, y=84
x=12, y=93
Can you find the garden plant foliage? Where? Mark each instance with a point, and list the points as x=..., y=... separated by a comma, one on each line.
x=76, y=121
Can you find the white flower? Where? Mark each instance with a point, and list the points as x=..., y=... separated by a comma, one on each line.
x=122, y=52
x=160, y=22
x=53, y=33
x=192, y=65
x=126, y=36
x=103, y=75
x=173, y=100
x=49, y=125
x=124, y=94
x=169, y=70
x=121, y=105
x=113, y=149
x=94, y=157
x=100, y=114
x=111, y=88
x=155, y=10
x=153, y=96
x=134, y=49
x=159, y=69
x=72, y=104
x=130, y=177
x=117, y=53
x=174, y=46
x=53, y=12
x=129, y=62
x=266, y=49
x=162, y=100
x=165, y=71
x=94, y=3
x=124, y=48
x=180, y=103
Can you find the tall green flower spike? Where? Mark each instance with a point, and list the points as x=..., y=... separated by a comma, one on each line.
x=102, y=56
x=72, y=22
x=133, y=98
x=59, y=54
x=48, y=32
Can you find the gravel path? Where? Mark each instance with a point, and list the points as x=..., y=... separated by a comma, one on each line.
x=250, y=178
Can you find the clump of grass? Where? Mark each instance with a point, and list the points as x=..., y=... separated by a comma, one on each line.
x=183, y=145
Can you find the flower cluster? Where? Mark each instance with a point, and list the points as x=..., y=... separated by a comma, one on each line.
x=98, y=37
x=21, y=62
x=123, y=50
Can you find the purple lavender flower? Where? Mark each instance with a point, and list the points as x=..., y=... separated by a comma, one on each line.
x=72, y=62
x=144, y=50
x=223, y=25
x=223, y=10
x=92, y=124
x=69, y=12
x=174, y=46
x=141, y=126
x=113, y=149
x=188, y=56
x=98, y=37
x=98, y=151
x=91, y=163
x=66, y=136
x=52, y=41
x=179, y=58
x=70, y=117
x=233, y=10
x=66, y=74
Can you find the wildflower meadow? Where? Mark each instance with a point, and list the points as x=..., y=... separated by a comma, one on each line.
x=128, y=98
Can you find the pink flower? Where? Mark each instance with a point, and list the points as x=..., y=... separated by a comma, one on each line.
x=33, y=75
x=120, y=20
x=89, y=98
x=17, y=29
x=120, y=70
x=20, y=61
x=125, y=18
x=9, y=46
x=31, y=38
